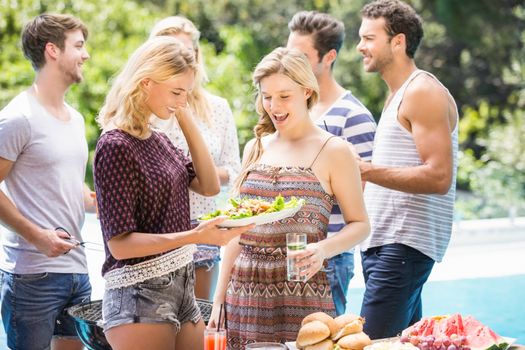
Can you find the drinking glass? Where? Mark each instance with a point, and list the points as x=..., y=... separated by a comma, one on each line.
x=215, y=339
x=295, y=243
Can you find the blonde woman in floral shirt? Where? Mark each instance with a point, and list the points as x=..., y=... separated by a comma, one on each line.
x=214, y=119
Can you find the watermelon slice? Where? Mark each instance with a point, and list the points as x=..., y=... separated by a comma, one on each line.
x=449, y=325
x=453, y=332
x=421, y=328
x=480, y=336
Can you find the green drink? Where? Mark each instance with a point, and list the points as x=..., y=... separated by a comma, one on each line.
x=296, y=246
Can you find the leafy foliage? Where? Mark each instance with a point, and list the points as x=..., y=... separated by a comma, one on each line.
x=498, y=178
x=476, y=47
x=113, y=35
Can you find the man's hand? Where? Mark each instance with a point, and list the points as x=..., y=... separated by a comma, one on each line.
x=54, y=243
x=364, y=168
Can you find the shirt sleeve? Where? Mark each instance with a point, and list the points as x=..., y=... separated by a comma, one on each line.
x=15, y=134
x=359, y=130
x=116, y=187
x=191, y=170
x=229, y=158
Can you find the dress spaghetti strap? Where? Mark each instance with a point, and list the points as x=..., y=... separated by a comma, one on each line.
x=318, y=153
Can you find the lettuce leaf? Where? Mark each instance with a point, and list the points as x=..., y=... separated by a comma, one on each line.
x=248, y=207
x=278, y=203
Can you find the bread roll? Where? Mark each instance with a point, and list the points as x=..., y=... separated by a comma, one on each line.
x=354, y=341
x=345, y=319
x=325, y=318
x=353, y=327
x=326, y=344
x=311, y=333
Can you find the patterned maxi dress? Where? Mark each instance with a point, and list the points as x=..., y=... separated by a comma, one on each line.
x=261, y=304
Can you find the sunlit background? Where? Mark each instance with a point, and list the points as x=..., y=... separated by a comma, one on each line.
x=476, y=48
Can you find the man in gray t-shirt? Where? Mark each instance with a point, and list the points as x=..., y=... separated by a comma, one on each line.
x=43, y=156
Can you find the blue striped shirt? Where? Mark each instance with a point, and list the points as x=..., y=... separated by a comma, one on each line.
x=351, y=120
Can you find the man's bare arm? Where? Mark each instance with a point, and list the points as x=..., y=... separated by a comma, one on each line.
x=425, y=113
x=47, y=241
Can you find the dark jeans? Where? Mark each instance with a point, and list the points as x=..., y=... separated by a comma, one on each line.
x=394, y=277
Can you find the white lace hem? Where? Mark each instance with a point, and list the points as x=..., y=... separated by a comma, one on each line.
x=132, y=274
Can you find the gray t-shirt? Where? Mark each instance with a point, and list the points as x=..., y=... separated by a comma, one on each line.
x=45, y=182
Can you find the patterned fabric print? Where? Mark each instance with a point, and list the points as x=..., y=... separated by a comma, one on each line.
x=142, y=186
x=261, y=304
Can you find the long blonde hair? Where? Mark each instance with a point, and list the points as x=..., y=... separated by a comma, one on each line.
x=295, y=66
x=174, y=25
x=158, y=59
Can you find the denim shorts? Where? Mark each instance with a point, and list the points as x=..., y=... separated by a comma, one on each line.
x=34, y=307
x=166, y=299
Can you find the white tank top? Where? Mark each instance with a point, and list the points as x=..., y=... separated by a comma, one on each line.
x=421, y=221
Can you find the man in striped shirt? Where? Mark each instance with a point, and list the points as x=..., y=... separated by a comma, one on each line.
x=411, y=180
x=320, y=36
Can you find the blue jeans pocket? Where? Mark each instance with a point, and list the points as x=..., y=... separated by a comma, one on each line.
x=31, y=277
x=161, y=282
x=394, y=254
x=112, y=303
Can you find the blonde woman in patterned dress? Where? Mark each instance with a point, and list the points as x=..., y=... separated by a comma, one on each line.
x=291, y=156
x=142, y=184
x=214, y=119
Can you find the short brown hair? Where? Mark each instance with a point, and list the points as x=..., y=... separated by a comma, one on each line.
x=328, y=32
x=400, y=18
x=47, y=28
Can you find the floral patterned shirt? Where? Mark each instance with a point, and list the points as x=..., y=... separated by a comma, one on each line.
x=141, y=186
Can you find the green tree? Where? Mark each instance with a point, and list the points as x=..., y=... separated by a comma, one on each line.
x=113, y=35
x=476, y=47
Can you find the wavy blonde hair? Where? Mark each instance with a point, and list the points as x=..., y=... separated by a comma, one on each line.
x=293, y=64
x=174, y=25
x=158, y=59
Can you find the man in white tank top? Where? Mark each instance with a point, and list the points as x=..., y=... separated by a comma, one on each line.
x=412, y=176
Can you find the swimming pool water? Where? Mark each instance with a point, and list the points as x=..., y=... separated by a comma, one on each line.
x=496, y=302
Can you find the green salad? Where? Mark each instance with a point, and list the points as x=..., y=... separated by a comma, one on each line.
x=246, y=207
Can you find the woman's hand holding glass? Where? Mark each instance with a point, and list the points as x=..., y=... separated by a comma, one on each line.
x=310, y=260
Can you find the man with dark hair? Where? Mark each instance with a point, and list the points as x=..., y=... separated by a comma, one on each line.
x=320, y=36
x=412, y=177
x=43, y=156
